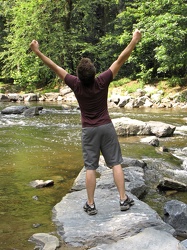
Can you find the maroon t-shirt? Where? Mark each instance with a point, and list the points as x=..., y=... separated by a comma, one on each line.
x=92, y=100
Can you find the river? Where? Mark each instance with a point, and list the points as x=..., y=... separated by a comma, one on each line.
x=48, y=147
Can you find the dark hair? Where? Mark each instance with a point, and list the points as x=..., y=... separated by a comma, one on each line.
x=86, y=71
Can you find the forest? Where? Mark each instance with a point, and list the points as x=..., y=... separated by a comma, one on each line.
x=99, y=29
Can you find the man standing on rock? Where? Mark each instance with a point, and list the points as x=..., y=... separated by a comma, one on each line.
x=98, y=132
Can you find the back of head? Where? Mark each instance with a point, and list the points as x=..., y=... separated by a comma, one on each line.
x=86, y=71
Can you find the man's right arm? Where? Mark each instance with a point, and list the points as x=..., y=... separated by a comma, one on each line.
x=47, y=61
x=115, y=67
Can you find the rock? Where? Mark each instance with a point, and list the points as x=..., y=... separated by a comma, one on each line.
x=148, y=103
x=161, y=129
x=35, y=197
x=127, y=127
x=14, y=110
x=65, y=90
x=30, y=97
x=162, y=149
x=184, y=243
x=134, y=181
x=13, y=97
x=175, y=214
x=140, y=101
x=167, y=183
x=47, y=241
x=156, y=97
x=32, y=111
x=109, y=225
x=130, y=162
x=4, y=98
x=148, y=239
x=41, y=183
x=151, y=140
x=51, y=96
x=123, y=101
x=134, y=177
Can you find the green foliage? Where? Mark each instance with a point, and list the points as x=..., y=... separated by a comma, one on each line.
x=100, y=29
x=120, y=82
x=174, y=81
x=182, y=97
x=127, y=85
x=131, y=88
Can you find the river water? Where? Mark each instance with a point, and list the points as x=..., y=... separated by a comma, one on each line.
x=48, y=147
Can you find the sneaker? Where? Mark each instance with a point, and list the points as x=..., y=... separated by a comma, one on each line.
x=125, y=205
x=91, y=210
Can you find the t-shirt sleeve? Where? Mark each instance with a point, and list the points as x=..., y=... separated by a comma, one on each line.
x=71, y=81
x=106, y=77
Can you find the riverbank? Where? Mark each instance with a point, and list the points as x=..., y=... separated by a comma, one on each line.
x=150, y=96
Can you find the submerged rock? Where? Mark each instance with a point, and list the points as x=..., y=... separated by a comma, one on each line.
x=14, y=110
x=46, y=241
x=41, y=183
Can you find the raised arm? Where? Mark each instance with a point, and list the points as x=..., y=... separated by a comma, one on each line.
x=115, y=67
x=53, y=66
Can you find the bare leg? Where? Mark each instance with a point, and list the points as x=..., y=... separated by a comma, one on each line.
x=90, y=185
x=119, y=181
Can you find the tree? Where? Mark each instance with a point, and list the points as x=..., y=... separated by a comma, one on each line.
x=163, y=48
x=100, y=29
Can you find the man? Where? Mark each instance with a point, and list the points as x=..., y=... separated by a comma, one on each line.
x=98, y=133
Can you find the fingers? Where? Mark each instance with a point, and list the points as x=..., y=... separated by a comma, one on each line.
x=137, y=35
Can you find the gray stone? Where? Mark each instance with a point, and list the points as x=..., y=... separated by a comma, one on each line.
x=175, y=214
x=127, y=127
x=4, y=98
x=47, y=241
x=148, y=239
x=13, y=97
x=161, y=129
x=32, y=111
x=77, y=228
x=168, y=183
x=14, y=110
x=133, y=174
x=30, y=97
x=151, y=140
x=184, y=243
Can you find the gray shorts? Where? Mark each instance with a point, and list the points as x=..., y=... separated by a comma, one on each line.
x=102, y=139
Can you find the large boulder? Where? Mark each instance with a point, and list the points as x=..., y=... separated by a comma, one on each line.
x=77, y=228
x=127, y=127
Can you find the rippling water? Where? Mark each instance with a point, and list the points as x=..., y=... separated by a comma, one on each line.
x=46, y=147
